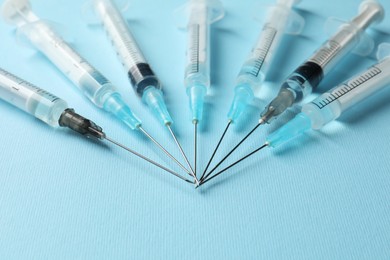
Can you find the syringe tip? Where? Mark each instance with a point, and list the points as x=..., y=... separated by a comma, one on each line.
x=115, y=105
x=242, y=97
x=153, y=97
x=196, y=95
x=298, y=125
x=267, y=115
x=281, y=103
x=80, y=124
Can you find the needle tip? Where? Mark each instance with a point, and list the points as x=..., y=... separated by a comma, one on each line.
x=192, y=172
x=196, y=182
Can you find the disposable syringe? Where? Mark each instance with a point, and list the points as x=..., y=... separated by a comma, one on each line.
x=328, y=107
x=88, y=79
x=55, y=112
x=309, y=75
x=144, y=81
x=280, y=19
x=200, y=15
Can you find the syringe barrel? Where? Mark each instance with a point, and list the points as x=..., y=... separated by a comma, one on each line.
x=330, y=105
x=255, y=68
x=127, y=49
x=197, y=72
x=259, y=61
x=31, y=99
x=308, y=76
x=88, y=79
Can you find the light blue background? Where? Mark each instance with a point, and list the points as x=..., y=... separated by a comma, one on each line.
x=325, y=196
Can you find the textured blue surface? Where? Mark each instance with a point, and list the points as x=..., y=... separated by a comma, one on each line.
x=324, y=196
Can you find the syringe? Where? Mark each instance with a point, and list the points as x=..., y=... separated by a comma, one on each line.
x=144, y=81
x=201, y=14
x=280, y=19
x=328, y=107
x=309, y=75
x=89, y=80
x=55, y=112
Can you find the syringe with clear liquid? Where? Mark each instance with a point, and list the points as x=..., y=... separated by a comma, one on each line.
x=55, y=112
x=88, y=79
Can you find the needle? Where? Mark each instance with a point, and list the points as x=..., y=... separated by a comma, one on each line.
x=183, y=154
x=163, y=149
x=216, y=149
x=233, y=164
x=99, y=134
x=241, y=142
x=195, y=145
x=147, y=159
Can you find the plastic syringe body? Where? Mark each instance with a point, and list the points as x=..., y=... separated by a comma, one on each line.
x=202, y=13
x=88, y=79
x=330, y=105
x=144, y=81
x=253, y=71
x=309, y=75
x=45, y=106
